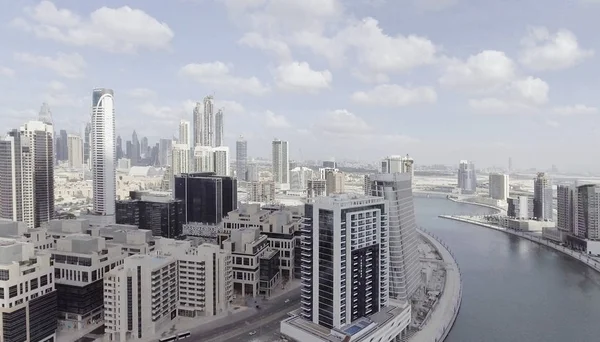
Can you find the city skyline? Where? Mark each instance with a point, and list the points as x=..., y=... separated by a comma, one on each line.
x=533, y=71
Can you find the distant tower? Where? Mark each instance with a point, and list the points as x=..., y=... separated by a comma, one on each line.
x=281, y=163
x=241, y=158
x=219, y=128
x=75, y=151
x=103, y=152
x=184, y=133
x=542, y=197
x=208, y=126
x=197, y=122
x=467, y=178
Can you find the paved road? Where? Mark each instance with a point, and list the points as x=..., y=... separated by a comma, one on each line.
x=252, y=319
x=266, y=333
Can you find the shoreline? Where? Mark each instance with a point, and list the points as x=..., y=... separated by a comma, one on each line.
x=499, y=209
x=443, y=315
x=584, y=258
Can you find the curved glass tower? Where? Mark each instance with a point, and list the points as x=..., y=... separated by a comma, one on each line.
x=103, y=152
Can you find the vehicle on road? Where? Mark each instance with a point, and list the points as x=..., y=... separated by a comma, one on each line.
x=287, y=301
x=252, y=333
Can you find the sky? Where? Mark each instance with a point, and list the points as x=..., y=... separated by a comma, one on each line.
x=441, y=80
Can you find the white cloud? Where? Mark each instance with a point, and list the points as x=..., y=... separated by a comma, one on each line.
x=273, y=120
x=495, y=106
x=532, y=90
x=341, y=122
x=58, y=95
x=487, y=71
x=65, y=65
x=543, y=50
x=141, y=93
x=6, y=72
x=122, y=29
x=392, y=95
x=255, y=40
x=218, y=74
x=298, y=76
x=578, y=109
x=230, y=106
x=552, y=123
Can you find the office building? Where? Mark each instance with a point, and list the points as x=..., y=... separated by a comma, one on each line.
x=131, y=239
x=499, y=188
x=219, y=135
x=180, y=159
x=164, y=150
x=263, y=191
x=204, y=159
x=241, y=159
x=119, y=151
x=80, y=262
x=27, y=293
x=520, y=207
x=587, y=212
x=346, y=274
x=299, y=177
x=208, y=124
x=391, y=164
x=316, y=188
x=329, y=164
x=87, y=147
x=542, y=198
x=160, y=214
x=141, y=297
x=252, y=173
x=467, y=178
x=61, y=142
x=566, y=196
x=14, y=158
x=184, y=133
x=207, y=197
x=75, y=151
x=403, y=240
x=280, y=226
x=281, y=163
x=144, y=148
x=129, y=149
x=103, y=157
x=221, y=160
x=335, y=182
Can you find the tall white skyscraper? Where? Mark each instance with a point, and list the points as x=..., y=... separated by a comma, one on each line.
x=184, y=133
x=180, y=162
x=208, y=125
x=203, y=159
x=75, y=151
x=498, y=186
x=103, y=151
x=241, y=158
x=219, y=137
x=221, y=158
x=281, y=163
x=12, y=155
x=197, y=122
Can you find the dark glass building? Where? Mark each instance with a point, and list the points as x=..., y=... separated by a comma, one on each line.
x=207, y=197
x=162, y=215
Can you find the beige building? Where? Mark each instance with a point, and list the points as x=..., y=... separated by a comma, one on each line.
x=335, y=182
x=261, y=191
x=75, y=151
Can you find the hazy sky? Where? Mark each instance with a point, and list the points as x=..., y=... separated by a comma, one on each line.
x=441, y=80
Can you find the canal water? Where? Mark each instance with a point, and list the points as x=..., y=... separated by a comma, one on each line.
x=513, y=289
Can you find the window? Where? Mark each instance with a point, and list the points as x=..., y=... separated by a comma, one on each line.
x=57, y=273
x=34, y=284
x=44, y=280
x=12, y=291
x=84, y=277
x=4, y=275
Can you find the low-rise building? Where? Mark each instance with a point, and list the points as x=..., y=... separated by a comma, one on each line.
x=27, y=293
x=131, y=239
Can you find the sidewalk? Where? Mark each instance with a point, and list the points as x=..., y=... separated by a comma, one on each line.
x=68, y=335
x=444, y=314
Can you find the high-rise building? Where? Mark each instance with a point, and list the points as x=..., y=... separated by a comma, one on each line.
x=14, y=158
x=336, y=182
x=542, y=197
x=316, y=188
x=28, y=302
x=164, y=152
x=103, y=152
x=207, y=197
x=467, y=178
x=75, y=151
x=587, y=212
x=204, y=159
x=391, y=164
x=252, y=173
x=208, y=125
x=38, y=176
x=87, y=138
x=281, y=163
x=135, y=149
x=219, y=135
x=299, y=177
x=403, y=240
x=160, y=214
x=119, y=148
x=184, y=133
x=261, y=191
x=198, y=115
x=520, y=207
x=241, y=159
x=329, y=164
x=566, y=196
x=221, y=159
x=180, y=162
x=128, y=149
x=61, y=146
x=144, y=147
x=498, y=187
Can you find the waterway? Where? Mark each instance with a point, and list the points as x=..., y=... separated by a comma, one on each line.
x=513, y=289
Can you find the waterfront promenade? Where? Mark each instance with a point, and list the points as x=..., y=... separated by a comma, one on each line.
x=584, y=258
x=444, y=313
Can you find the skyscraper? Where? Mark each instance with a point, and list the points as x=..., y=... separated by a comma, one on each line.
x=403, y=240
x=62, y=153
x=135, y=149
x=164, y=152
x=218, y=195
x=221, y=158
x=184, y=133
x=119, y=147
x=12, y=155
x=103, y=152
x=219, y=128
x=565, y=199
x=587, y=212
x=467, y=178
x=180, y=159
x=542, y=197
x=208, y=125
x=498, y=186
x=241, y=158
x=144, y=147
x=87, y=137
x=197, y=122
x=281, y=163
x=204, y=159
x=75, y=151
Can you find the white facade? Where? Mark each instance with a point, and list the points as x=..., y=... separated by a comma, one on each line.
x=103, y=152
x=75, y=151
x=300, y=177
x=499, y=188
x=180, y=162
x=221, y=159
x=184, y=133
x=203, y=159
x=281, y=163
x=143, y=292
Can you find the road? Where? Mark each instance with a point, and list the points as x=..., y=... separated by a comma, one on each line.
x=237, y=326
